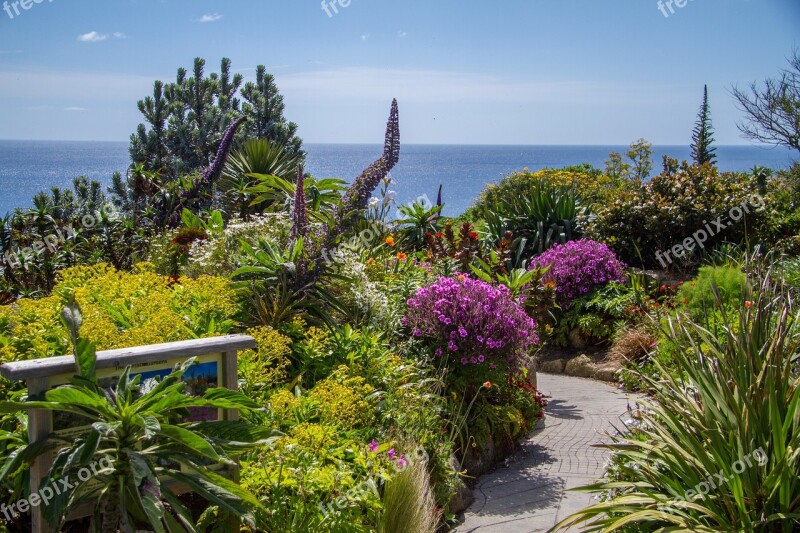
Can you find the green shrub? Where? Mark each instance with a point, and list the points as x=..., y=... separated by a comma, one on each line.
x=699, y=296
x=790, y=270
x=593, y=185
x=645, y=219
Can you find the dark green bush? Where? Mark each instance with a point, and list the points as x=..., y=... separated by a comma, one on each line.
x=643, y=220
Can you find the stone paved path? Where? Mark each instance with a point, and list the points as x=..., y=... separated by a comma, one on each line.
x=528, y=494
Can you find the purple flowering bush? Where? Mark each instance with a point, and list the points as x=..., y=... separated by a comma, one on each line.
x=471, y=323
x=576, y=267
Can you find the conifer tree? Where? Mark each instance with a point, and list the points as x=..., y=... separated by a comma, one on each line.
x=703, y=135
x=185, y=120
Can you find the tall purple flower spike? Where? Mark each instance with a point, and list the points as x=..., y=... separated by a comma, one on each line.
x=356, y=198
x=300, y=216
x=358, y=195
x=210, y=173
x=215, y=169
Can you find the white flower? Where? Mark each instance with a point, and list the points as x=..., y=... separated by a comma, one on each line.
x=389, y=197
x=373, y=202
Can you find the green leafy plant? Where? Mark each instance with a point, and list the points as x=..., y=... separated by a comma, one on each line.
x=418, y=220
x=538, y=218
x=136, y=435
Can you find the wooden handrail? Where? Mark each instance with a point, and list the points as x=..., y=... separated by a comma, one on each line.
x=120, y=358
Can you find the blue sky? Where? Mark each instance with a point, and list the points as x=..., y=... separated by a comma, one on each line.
x=464, y=71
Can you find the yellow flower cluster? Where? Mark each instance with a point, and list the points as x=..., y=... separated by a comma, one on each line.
x=120, y=310
x=282, y=403
x=265, y=367
x=342, y=401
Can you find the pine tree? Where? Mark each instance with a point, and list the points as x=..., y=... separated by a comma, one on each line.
x=185, y=120
x=703, y=135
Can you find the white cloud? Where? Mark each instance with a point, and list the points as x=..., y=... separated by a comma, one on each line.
x=364, y=37
x=92, y=37
x=210, y=17
x=401, y=34
x=73, y=108
x=120, y=35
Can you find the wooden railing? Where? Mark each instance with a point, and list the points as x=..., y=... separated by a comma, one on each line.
x=41, y=375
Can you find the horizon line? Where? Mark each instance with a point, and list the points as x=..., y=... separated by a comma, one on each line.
x=599, y=145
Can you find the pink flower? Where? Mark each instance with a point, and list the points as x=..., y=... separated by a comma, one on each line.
x=391, y=453
x=401, y=462
x=373, y=446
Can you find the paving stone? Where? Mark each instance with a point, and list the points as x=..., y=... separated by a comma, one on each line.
x=530, y=494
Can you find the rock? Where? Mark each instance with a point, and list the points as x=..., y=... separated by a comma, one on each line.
x=479, y=461
x=556, y=366
x=606, y=372
x=533, y=368
x=461, y=500
x=576, y=339
x=581, y=367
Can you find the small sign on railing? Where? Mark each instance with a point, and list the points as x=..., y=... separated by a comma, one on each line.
x=216, y=367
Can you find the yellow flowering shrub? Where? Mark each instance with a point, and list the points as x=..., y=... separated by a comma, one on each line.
x=342, y=401
x=282, y=403
x=264, y=368
x=120, y=310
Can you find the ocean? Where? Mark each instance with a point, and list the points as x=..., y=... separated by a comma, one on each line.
x=27, y=167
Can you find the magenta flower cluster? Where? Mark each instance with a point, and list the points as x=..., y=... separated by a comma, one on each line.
x=576, y=267
x=471, y=321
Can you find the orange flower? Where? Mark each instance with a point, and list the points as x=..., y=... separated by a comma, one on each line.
x=748, y=304
x=390, y=240
x=488, y=385
x=461, y=277
x=401, y=256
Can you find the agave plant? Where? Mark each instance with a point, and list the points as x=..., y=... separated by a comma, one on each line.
x=136, y=434
x=538, y=218
x=718, y=447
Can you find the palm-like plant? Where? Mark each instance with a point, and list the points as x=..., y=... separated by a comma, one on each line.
x=276, y=194
x=418, y=220
x=142, y=446
x=256, y=156
x=718, y=448
x=276, y=286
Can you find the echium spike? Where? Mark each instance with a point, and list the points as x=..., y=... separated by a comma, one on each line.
x=207, y=176
x=358, y=195
x=391, y=149
x=215, y=169
x=300, y=216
